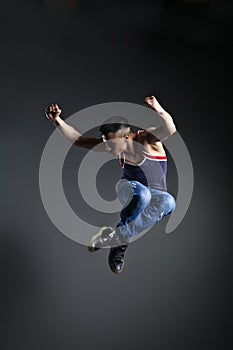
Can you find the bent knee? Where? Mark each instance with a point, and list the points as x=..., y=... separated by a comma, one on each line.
x=170, y=203
x=142, y=192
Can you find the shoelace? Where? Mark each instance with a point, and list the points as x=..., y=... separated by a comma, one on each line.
x=118, y=253
x=110, y=234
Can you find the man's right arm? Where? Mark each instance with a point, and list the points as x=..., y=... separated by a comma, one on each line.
x=53, y=113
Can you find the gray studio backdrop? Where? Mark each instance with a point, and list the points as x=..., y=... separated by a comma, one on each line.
x=175, y=291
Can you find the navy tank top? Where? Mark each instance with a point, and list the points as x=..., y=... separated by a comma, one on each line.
x=150, y=172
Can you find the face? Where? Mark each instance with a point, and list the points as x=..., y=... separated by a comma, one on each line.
x=115, y=143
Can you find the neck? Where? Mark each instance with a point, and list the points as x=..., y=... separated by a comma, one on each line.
x=132, y=145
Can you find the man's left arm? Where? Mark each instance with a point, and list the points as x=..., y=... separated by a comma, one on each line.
x=167, y=127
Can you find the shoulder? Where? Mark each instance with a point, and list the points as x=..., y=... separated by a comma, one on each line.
x=150, y=142
x=147, y=136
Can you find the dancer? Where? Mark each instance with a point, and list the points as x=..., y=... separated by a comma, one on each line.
x=142, y=189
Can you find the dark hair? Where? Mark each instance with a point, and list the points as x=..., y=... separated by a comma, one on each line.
x=114, y=124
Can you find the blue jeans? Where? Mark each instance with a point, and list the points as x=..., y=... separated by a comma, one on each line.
x=142, y=207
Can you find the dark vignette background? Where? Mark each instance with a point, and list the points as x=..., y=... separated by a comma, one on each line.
x=176, y=290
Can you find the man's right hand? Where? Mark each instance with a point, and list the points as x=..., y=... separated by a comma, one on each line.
x=53, y=112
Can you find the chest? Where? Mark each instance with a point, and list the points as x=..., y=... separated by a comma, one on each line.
x=141, y=151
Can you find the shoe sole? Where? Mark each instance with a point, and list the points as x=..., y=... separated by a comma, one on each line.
x=93, y=238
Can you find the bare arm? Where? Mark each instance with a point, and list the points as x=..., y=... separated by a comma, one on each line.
x=53, y=113
x=167, y=127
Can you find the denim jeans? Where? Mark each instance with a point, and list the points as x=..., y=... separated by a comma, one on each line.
x=142, y=207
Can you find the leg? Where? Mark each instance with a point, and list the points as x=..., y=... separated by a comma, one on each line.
x=161, y=204
x=134, y=197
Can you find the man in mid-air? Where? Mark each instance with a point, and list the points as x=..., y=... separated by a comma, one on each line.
x=142, y=189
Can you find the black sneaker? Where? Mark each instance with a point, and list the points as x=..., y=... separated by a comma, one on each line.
x=106, y=237
x=116, y=258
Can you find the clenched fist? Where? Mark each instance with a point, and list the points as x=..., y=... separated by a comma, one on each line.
x=52, y=112
x=152, y=102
